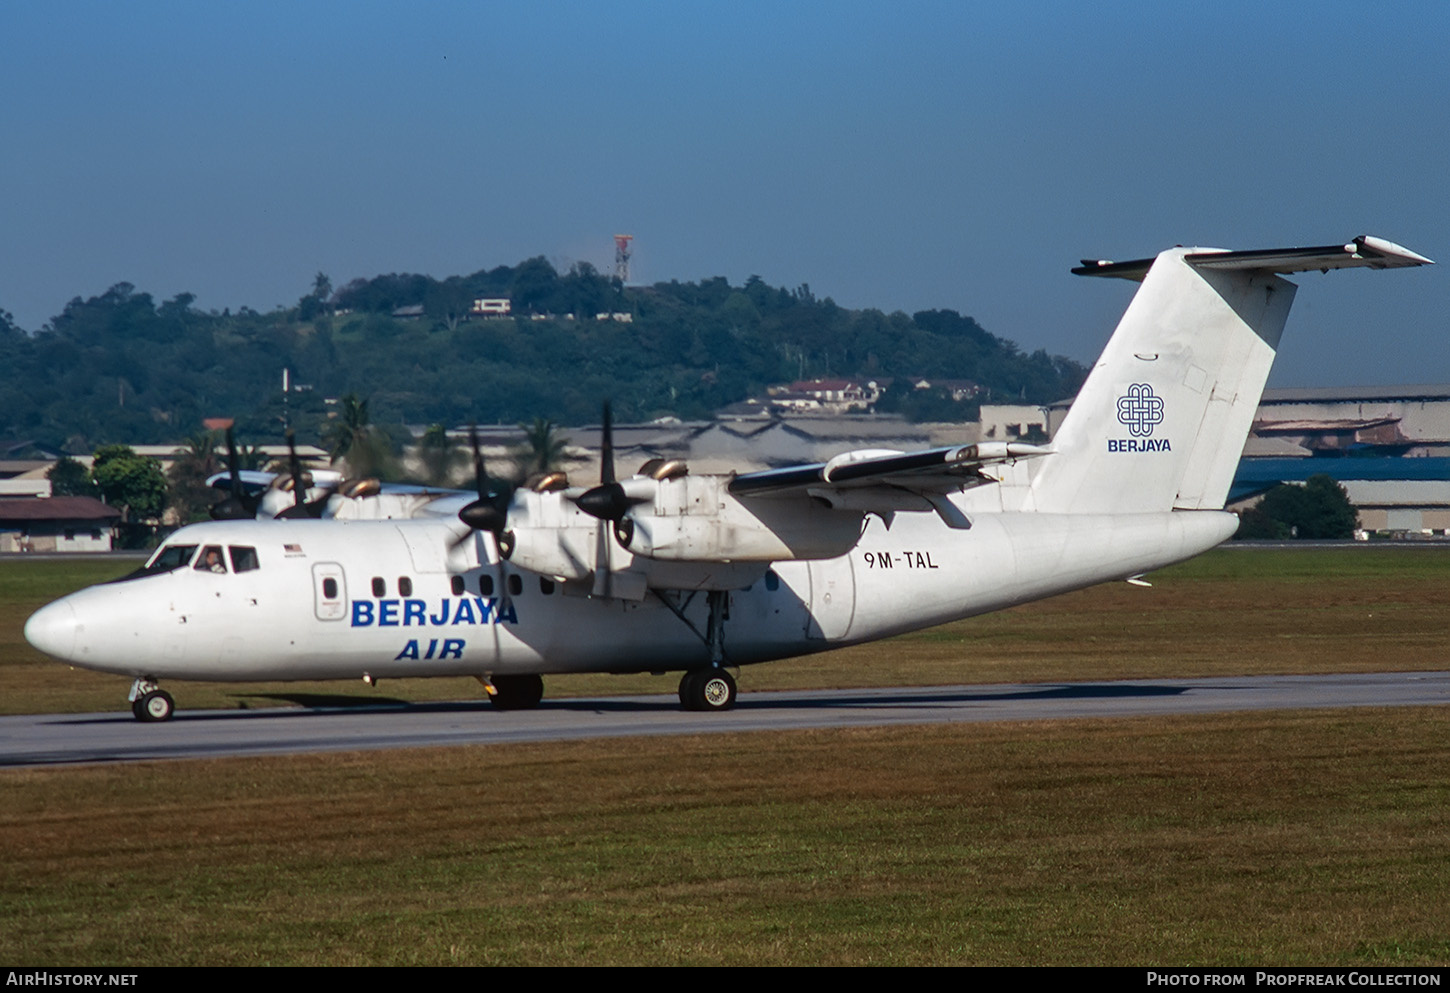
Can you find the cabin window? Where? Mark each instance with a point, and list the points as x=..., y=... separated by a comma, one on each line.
x=380, y=588
x=458, y=586
x=329, y=588
x=244, y=558
x=772, y=581
x=516, y=584
x=405, y=586
x=485, y=586
x=210, y=560
x=546, y=585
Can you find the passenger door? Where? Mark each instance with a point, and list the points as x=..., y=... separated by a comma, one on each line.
x=329, y=591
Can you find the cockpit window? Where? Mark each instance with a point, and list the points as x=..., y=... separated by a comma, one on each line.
x=170, y=557
x=166, y=559
x=244, y=558
x=210, y=560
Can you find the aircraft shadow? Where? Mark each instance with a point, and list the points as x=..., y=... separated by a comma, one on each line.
x=330, y=704
x=868, y=698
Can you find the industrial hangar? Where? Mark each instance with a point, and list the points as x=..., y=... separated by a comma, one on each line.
x=1388, y=446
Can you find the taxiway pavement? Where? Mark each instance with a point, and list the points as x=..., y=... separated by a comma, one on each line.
x=52, y=739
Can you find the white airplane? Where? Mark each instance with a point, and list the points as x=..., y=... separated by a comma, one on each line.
x=668, y=571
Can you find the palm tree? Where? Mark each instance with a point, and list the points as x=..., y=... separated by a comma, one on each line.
x=353, y=439
x=439, y=455
x=542, y=450
x=190, y=496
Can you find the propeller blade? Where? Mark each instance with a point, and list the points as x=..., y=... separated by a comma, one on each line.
x=603, y=567
x=299, y=484
x=480, y=472
x=490, y=511
x=232, y=464
x=239, y=506
x=606, y=447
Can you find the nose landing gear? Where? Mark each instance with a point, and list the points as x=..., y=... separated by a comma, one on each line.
x=150, y=702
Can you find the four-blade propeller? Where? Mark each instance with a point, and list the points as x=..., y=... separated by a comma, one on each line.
x=240, y=504
x=490, y=511
x=610, y=502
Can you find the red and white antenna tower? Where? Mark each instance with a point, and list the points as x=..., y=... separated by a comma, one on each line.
x=621, y=256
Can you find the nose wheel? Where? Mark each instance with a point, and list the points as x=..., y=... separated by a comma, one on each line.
x=707, y=689
x=150, y=702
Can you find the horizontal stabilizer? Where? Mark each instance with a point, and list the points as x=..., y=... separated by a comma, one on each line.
x=935, y=469
x=1364, y=251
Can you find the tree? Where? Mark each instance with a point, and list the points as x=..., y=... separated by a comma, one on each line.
x=448, y=302
x=130, y=482
x=315, y=303
x=542, y=450
x=69, y=478
x=439, y=455
x=1318, y=510
x=193, y=465
x=353, y=439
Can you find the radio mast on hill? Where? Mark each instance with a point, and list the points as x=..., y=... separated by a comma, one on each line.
x=621, y=256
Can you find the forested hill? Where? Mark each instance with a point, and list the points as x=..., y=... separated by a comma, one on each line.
x=121, y=368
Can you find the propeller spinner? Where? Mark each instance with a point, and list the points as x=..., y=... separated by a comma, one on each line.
x=610, y=500
x=490, y=511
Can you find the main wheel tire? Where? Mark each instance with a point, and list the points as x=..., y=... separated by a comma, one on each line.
x=517, y=692
x=707, y=689
x=688, y=692
x=154, y=706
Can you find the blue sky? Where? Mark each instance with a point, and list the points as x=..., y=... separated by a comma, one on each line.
x=901, y=156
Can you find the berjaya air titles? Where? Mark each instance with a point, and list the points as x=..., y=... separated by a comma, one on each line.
x=671, y=571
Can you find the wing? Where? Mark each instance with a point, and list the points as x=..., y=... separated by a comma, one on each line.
x=883, y=481
x=401, y=500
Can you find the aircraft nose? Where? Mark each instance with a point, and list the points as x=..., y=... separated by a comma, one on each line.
x=52, y=629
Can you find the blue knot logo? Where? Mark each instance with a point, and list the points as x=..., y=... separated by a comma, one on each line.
x=1140, y=410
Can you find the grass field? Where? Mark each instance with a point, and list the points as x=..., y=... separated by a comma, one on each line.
x=1286, y=838
x=1266, y=838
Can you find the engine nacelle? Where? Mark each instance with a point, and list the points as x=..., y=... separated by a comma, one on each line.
x=696, y=519
x=551, y=536
x=565, y=553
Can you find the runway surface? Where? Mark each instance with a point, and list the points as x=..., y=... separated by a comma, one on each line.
x=55, y=739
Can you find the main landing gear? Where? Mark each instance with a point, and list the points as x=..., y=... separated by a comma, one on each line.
x=150, y=702
x=516, y=692
x=707, y=689
x=711, y=688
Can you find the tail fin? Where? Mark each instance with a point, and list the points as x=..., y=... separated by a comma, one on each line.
x=1161, y=421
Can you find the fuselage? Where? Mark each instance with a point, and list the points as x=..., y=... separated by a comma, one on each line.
x=392, y=598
